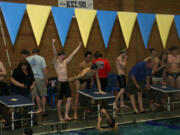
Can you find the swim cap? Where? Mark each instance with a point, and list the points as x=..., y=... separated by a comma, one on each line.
x=123, y=51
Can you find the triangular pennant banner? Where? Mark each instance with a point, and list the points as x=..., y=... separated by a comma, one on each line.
x=62, y=18
x=13, y=14
x=177, y=22
x=85, y=19
x=38, y=16
x=127, y=21
x=164, y=23
x=106, y=21
x=145, y=22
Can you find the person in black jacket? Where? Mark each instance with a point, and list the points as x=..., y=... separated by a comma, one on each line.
x=23, y=80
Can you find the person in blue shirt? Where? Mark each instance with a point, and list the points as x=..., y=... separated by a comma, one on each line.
x=139, y=78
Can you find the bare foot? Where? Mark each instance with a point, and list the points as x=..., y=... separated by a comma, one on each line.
x=102, y=92
x=75, y=118
x=61, y=119
x=67, y=118
x=157, y=105
x=115, y=107
x=124, y=106
x=38, y=111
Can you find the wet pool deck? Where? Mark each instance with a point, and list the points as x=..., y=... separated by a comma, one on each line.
x=124, y=116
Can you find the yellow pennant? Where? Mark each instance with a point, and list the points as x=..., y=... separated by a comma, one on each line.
x=127, y=21
x=164, y=23
x=85, y=19
x=38, y=16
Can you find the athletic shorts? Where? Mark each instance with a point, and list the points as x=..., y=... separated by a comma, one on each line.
x=122, y=81
x=104, y=82
x=40, y=88
x=63, y=89
x=131, y=87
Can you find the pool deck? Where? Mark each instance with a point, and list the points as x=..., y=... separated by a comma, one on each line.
x=124, y=116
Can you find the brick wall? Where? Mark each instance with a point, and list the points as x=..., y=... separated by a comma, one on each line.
x=136, y=52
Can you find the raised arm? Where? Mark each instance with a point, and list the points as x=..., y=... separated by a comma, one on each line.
x=73, y=53
x=2, y=69
x=54, y=51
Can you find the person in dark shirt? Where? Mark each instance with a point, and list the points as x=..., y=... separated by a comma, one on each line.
x=23, y=80
x=139, y=76
x=103, y=69
x=158, y=77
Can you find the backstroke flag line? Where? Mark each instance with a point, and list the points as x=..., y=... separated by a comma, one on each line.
x=127, y=21
x=85, y=19
x=145, y=22
x=164, y=23
x=38, y=16
x=13, y=14
x=62, y=18
x=106, y=21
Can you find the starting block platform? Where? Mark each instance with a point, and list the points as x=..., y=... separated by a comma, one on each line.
x=93, y=93
x=15, y=101
x=166, y=89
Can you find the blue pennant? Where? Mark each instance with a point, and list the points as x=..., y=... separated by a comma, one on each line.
x=62, y=18
x=13, y=14
x=106, y=21
x=177, y=22
x=145, y=22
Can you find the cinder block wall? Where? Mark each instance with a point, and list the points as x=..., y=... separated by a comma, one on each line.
x=136, y=51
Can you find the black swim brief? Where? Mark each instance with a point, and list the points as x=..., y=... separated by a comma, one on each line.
x=174, y=75
x=122, y=81
x=63, y=89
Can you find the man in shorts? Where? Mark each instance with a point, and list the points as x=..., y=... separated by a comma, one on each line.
x=103, y=69
x=139, y=76
x=60, y=63
x=39, y=69
x=84, y=83
x=120, y=65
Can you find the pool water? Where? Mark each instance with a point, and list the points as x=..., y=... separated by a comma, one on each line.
x=166, y=127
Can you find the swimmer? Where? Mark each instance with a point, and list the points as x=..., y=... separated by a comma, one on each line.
x=82, y=83
x=173, y=70
x=120, y=65
x=89, y=73
x=112, y=125
x=60, y=63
